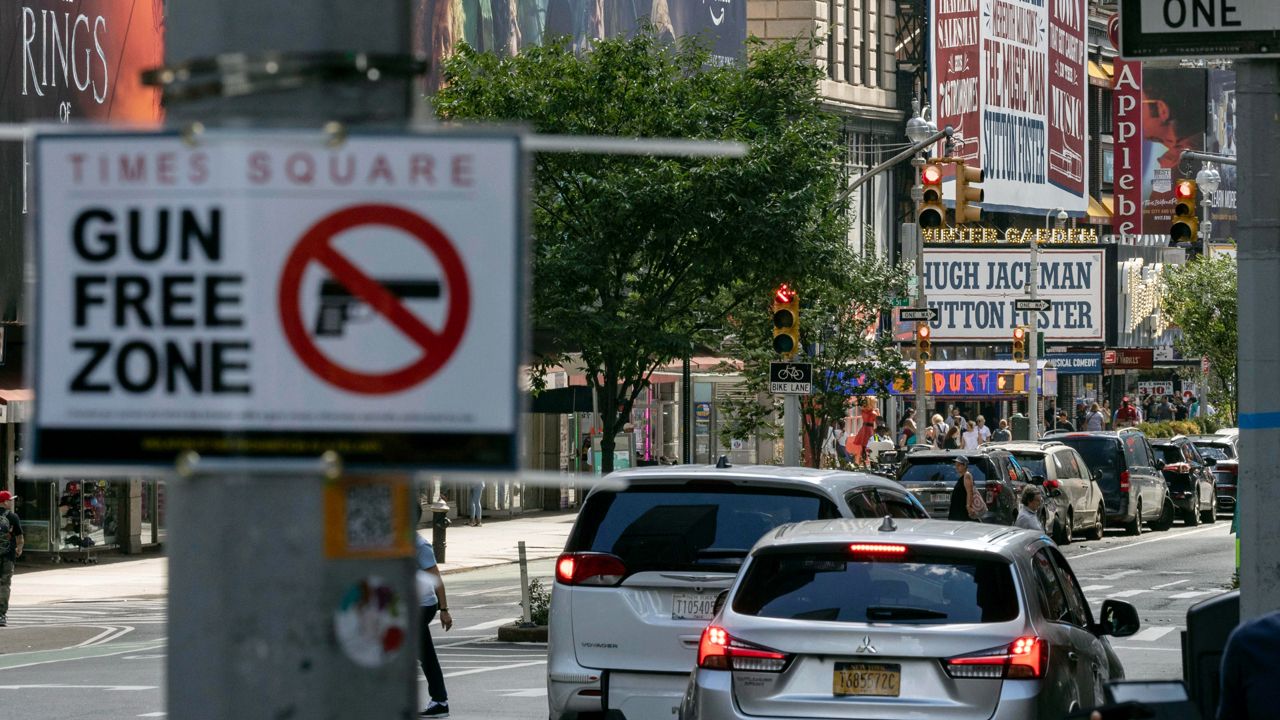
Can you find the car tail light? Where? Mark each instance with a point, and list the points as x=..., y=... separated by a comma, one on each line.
x=878, y=549
x=590, y=569
x=1052, y=484
x=1023, y=659
x=718, y=650
x=1124, y=481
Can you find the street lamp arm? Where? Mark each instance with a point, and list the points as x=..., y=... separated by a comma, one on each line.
x=904, y=155
x=1209, y=157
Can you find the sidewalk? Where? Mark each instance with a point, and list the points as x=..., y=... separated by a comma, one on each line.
x=123, y=576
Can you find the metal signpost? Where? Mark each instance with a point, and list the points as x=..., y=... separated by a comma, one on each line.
x=1241, y=29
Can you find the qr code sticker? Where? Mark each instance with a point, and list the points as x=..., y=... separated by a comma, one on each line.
x=369, y=522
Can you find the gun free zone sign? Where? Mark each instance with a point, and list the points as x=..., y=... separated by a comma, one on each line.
x=267, y=295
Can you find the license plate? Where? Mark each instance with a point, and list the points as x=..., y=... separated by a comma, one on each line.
x=867, y=679
x=692, y=606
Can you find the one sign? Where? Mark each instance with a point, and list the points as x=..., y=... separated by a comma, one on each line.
x=266, y=296
x=1199, y=28
x=1029, y=305
x=1010, y=77
x=976, y=290
x=918, y=314
x=1128, y=359
x=791, y=378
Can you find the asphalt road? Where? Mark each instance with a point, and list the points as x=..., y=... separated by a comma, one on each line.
x=111, y=661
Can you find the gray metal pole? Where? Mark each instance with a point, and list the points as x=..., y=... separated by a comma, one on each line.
x=525, y=614
x=252, y=596
x=1258, y=104
x=686, y=411
x=1033, y=380
x=912, y=230
x=791, y=430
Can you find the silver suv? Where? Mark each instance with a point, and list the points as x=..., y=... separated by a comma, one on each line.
x=1074, y=498
x=643, y=565
x=905, y=619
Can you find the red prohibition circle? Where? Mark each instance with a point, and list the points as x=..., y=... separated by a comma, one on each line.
x=316, y=246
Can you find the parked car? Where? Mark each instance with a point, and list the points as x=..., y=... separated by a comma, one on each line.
x=1225, y=475
x=930, y=475
x=643, y=565
x=1133, y=488
x=1190, y=479
x=1216, y=447
x=1073, y=497
x=913, y=619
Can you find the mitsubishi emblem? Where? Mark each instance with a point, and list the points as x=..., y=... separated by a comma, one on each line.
x=866, y=646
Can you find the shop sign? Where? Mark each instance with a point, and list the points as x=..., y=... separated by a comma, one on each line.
x=1076, y=363
x=1128, y=359
x=975, y=292
x=264, y=295
x=1159, y=389
x=961, y=383
x=1011, y=236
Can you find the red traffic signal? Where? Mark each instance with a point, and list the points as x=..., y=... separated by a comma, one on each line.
x=783, y=294
x=1185, y=189
x=931, y=213
x=931, y=175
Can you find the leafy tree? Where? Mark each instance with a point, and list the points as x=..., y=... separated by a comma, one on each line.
x=1200, y=298
x=637, y=260
x=839, y=321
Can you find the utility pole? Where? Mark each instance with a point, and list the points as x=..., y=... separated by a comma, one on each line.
x=912, y=230
x=1033, y=352
x=1258, y=104
x=252, y=597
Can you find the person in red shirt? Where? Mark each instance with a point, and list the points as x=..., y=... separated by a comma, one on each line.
x=1127, y=415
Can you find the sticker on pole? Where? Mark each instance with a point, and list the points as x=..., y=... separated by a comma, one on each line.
x=397, y=301
x=371, y=622
x=266, y=295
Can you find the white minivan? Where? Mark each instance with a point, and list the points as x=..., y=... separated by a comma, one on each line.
x=643, y=565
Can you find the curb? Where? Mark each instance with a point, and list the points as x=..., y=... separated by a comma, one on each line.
x=517, y=632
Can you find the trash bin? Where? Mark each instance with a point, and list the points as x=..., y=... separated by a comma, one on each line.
x=1209, y=624
x=1020, y=427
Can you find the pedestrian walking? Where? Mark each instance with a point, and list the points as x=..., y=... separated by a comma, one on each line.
x=432, y=600
x=952, y=440
x=11, y=542
x=939, y=430
x=1029, y=511
x=477, y=492
x=971, y=439
x=1127, y=415
x=1094, y=419
x=907, y=430
x=984, y=432
x=1107, y=414
x=1064, y=423
x=966, y=501
x=1001, y=433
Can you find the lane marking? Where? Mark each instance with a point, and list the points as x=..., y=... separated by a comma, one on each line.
x=1152, y=634
x=469, y=593
x=1118, y=575
x=527, y=692
x=1094, y=588
x=80, y=687
x=89, y=654
x=1193, y=594
x=154, y=714
x=489, y=625
x=497, y=667
x=1148, y=649
x=1168, y=585
x=1127, y=593
x=1224, y=527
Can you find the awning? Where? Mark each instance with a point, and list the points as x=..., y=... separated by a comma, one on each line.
x=15, y=404
x=562, y=401
x=1099, y=212
x=1100, y=72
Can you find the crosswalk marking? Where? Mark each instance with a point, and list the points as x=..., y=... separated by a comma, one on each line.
x=1127, y=593
x=1152, y=634
x=489, y=625
x=1171, y=584
x=1095, y=588
x=1191, y=594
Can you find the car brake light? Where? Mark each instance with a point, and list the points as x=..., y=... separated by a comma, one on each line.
x=878, y=549
x=1052, y=484
x=1124, y=481
x=590, y=569
x=718, y=650
x=1024, y=659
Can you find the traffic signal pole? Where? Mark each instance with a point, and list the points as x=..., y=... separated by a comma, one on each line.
x=1258, y=104
x=1033, y=381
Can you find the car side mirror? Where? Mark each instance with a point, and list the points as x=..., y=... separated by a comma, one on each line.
x=1037, y=480
x=1097, y=476
x=719, y=603
x=1159, y=464
x=1119, y=619
x=1210, y=461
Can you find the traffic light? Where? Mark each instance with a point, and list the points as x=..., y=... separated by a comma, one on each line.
x=966, y=178
x=1186, y=225
x=786, y=321
x=924, y=342
x=931, y=213
x=1019, y=344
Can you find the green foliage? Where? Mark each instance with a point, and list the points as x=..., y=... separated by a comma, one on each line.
x=838, y=321
x=1200, y=299
x=637, y=261
x=539, y=602
x=1169, y=428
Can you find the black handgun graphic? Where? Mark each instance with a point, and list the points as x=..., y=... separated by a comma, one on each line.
x=337, y=303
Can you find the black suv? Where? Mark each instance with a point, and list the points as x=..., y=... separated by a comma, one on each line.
x=1190, y=479
x=1133, y=488
x=930, y=475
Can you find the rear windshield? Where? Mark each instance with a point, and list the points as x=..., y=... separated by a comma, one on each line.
x=1222, y=477
x=1033, y=462
x=688, y=527
x=1217, y=452
x=1169, y=453
x=1099, y=454
x=944, y=471
x=837, y=587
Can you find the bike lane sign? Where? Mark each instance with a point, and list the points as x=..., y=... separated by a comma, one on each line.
x=791, y=378
x=266, y=295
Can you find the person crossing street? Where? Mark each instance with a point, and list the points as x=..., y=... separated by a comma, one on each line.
x=11, y=542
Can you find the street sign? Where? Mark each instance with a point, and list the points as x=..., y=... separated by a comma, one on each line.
x=1199, y=28
x=791, y=378
x=1029, y=305
x=918, y=314
x=264, y=296
x=901, y=302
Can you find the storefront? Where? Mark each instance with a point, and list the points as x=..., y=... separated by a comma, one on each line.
x=994, y=389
